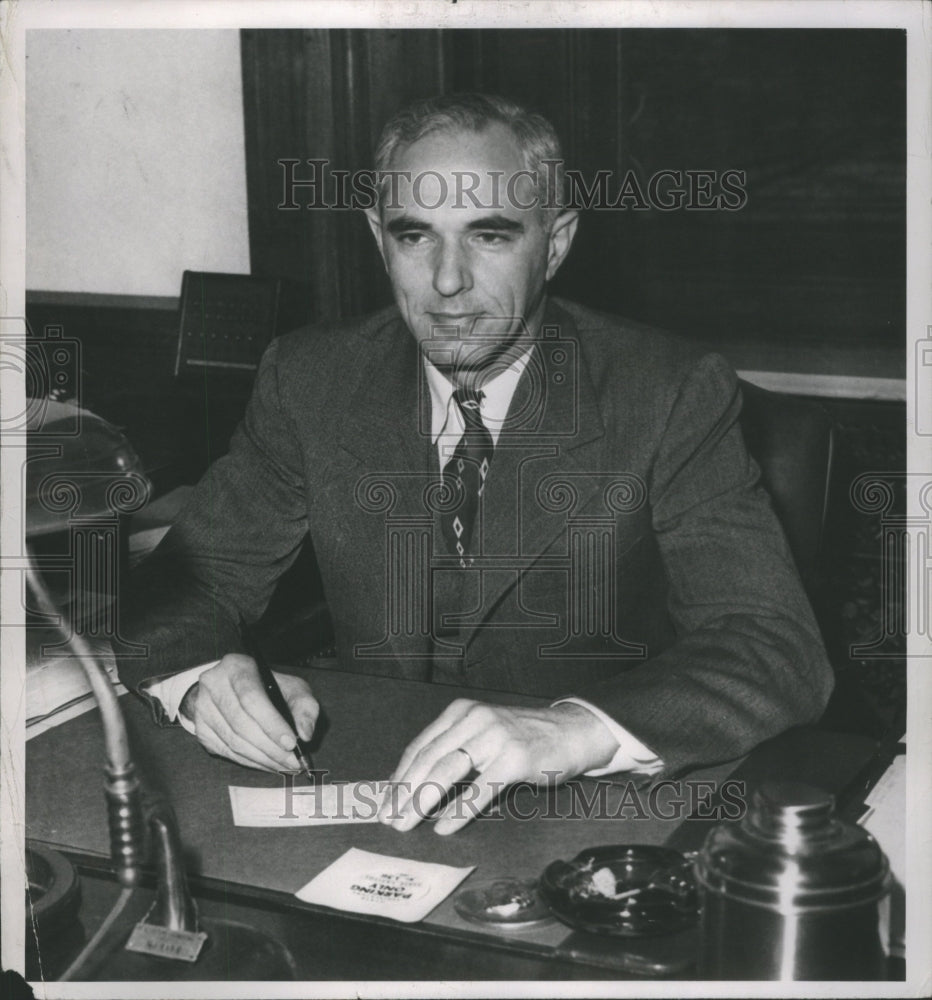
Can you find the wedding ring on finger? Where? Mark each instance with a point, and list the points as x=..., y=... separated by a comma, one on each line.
x=468, y=755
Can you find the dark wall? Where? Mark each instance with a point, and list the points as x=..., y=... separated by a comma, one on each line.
x=814, y=260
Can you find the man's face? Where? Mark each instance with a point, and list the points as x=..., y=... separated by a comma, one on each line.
x=467, y=263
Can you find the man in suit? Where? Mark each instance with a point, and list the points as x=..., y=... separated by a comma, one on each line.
x=504, y=491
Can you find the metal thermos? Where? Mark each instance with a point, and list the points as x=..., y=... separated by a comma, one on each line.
x=791, y=892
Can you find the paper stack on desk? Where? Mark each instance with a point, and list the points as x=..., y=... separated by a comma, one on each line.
x=398, y=888
x=885, y=820
x=57, y=689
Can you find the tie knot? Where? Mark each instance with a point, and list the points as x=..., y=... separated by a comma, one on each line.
x=470, y=403
x=468, y=398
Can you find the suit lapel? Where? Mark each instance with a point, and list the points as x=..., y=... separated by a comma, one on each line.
x=380, y=468
x=383, y=426
x=552, y=436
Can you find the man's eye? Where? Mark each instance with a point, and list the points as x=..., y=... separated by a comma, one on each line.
x=492, y=239
x=413, y=239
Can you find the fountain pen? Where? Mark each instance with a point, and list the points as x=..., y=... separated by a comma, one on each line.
x=281, y=706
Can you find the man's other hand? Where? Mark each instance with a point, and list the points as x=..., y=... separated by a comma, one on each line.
x=504, y=745
x=234, y=718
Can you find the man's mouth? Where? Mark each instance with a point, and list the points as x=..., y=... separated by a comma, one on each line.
x=472, y=327
x=464, y=323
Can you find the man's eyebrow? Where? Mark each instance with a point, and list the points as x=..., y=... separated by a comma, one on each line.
x=407, y=223
x=497, y=223
x=488, y=223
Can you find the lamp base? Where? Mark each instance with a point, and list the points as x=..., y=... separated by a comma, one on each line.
x=232, y=952
x=53, y=899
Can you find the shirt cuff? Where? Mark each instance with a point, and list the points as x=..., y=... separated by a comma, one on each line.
x=631, y=754
x=171, y=689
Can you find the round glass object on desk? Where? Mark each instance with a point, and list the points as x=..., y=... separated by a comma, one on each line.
x=83, y=478
x=507, y=904
x=625, y=890
x=80, y=466
x=53, y=896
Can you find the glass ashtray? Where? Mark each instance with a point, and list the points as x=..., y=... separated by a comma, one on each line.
x=628, y=890
x=506, y=903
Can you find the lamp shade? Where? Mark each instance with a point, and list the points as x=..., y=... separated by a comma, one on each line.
x=78, y=465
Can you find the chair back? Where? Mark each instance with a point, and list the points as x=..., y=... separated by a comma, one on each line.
x=226, y=321
x=791, y=439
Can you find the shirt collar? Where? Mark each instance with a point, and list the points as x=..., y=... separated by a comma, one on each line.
x=497, y=396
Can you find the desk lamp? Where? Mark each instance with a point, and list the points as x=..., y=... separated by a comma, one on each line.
x=170, y=942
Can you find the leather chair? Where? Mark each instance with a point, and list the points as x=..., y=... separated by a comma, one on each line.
x=791, y=439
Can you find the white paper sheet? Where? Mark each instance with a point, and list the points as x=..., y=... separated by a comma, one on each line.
x=301, y=805
x=57, y=689
x=885, y=820
x=398, y=888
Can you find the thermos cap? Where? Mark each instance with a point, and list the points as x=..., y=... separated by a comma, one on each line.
x=779, y=806
x=791, y=853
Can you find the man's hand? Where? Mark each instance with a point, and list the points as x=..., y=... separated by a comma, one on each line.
x=505, y=745
x=234, y=718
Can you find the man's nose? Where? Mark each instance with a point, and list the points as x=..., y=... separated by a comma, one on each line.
x=451, y=271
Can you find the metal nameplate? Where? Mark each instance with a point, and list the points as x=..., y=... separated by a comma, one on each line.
x=150, y=939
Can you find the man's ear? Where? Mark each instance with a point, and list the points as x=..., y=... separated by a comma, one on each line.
x=374, y=218
x=562, y=233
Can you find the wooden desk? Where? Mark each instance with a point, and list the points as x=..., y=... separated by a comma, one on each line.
x=368, y=720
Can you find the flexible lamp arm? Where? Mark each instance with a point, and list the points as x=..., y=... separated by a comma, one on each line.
x=122, y=789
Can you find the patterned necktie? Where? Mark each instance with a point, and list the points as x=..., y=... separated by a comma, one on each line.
x=465, y=474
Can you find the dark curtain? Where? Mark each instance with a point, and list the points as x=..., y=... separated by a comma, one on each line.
x=812, y=262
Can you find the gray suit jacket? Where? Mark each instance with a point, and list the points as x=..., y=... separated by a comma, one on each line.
x=625, y=552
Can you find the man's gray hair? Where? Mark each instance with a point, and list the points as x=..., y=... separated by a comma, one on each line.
x=473, y=112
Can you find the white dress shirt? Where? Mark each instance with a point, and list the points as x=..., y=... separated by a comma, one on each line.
x=446, y=430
